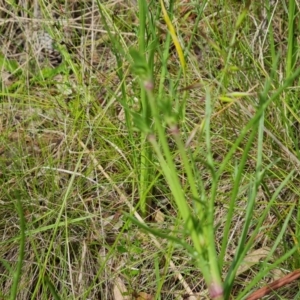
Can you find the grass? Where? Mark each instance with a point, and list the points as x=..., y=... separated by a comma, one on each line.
x=159, y=160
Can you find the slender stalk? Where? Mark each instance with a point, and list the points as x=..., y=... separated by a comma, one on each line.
x=291, y=38
x=146, y=153
x=271, y=33
x=202, y=234
x=17, y=273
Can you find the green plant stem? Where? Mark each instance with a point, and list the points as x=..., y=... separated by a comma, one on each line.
x=291, y=38
x=271, y=34
x=201, y=236
x=17, y=273
x=146, y=152
x=290, y=53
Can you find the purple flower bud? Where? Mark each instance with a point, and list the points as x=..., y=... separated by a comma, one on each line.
x=148, y=84
x=215, y=290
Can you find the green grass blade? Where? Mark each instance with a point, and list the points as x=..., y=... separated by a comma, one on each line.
x=18, y=271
